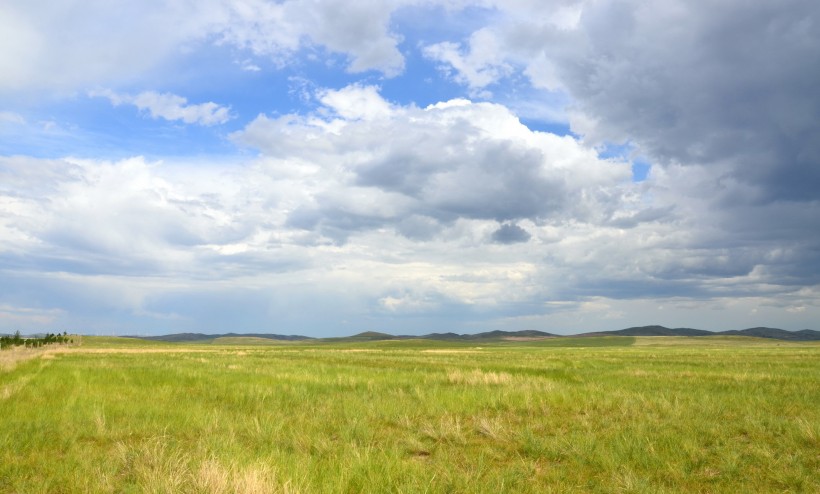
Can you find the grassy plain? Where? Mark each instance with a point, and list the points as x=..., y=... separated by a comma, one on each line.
x=614, y=414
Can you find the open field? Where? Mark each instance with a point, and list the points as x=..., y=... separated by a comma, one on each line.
x=610, y=414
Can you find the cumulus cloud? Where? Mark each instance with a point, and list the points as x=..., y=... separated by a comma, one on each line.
x=726, y=86
x=170, y=107
x=355, y=102
x=445, y=162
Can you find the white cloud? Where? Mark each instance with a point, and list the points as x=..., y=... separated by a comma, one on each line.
x=170, y=107
x=19, y=42
x=65, y=47
x=356, y=102
x=360, y=29
x=11, y=316
x=482, y=65
x=249, y=66
x=7, y=117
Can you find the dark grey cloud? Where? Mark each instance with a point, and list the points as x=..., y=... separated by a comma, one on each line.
x=416, y=153
x=334, y=223
x=499, y=181
x=732, y=85
x=510, y=233
x=454, y=169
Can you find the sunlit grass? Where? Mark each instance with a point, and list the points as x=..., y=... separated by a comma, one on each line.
x=613, y=415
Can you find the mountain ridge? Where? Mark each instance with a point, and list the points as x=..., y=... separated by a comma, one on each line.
x=651, y=330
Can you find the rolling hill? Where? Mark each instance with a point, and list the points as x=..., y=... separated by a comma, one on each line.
x=758, y=332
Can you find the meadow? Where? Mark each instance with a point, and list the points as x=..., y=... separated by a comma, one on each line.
x=609, y=414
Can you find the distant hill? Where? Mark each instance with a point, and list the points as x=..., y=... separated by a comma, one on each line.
x=652, y=331
x=761, y=332
x=373, y=335
x=441, y=336
x=778, y=334
x=365, y=336
x=490, y=335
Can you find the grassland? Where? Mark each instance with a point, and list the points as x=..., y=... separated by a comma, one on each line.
x=615, y=414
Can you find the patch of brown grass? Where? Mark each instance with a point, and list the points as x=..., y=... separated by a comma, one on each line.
x=214, y=477
x=132, y=350
x=156, y=467
x=13, y=356
x=478, y=377
x=447, y=350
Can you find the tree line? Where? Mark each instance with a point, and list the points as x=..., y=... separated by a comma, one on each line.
x=17, y=339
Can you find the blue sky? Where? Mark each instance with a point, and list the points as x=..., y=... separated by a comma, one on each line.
x=412, y=166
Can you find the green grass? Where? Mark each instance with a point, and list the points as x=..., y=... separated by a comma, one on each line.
x=248, y=340
x=602, y=414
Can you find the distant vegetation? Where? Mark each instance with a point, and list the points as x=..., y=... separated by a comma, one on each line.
x=9, y=341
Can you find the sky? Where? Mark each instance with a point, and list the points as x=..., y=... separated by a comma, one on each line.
x=326, y=167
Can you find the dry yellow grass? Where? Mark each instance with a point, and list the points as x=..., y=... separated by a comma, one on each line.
x=11, y=357
x=448, y=350
x=214, y=477
x=158, y=468
x=478, y=377
x=134, y=350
